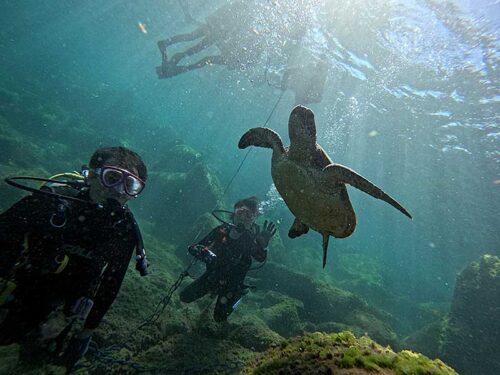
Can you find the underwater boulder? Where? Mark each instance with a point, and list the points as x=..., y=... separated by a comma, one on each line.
x=193, y=354
x=10, y=357
x=324, y=303
x=180, y=190
x=365, y=321
x=283, y=317
x=427, y=340
x=341, y=353
x=177, y=157
x=252, y=333
x=472, y=337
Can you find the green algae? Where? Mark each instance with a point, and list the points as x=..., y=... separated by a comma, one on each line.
x=342, y=350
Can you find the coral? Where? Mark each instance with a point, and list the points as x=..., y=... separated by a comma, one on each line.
x=341, y=353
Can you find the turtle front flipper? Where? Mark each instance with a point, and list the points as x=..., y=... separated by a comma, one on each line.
x=297, y=229
x=339, y=173
x=262, y=137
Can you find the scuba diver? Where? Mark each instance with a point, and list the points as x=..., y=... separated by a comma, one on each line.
x=236, y=45
x=65, y=250
x=227, y=252
x=237, y=35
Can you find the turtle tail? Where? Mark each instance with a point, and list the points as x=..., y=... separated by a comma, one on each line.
x=262, y=137
x=326, y=237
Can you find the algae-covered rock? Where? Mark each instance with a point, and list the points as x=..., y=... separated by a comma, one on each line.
x=472, y=337
x=253, y=334
x=10, y=356
x=180, y=354
x=428, y=339
x=378, y=329
x=283, y=317
x=341, y=353
x=324, y=303
x=180, y=189
x=178, y=157
x=11, y=364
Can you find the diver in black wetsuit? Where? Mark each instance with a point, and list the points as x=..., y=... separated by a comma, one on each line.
x=228, y=251
x=63, y=261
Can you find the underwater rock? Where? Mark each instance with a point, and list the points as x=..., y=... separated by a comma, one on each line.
x=180, y=189
x=252, y=333
x=10, y=356
x=472, y=337
x=366, y=322
x=341, y=353
x=191, y=353
x=283, y=317
x=11, y=363
x=324, y=303
x=428, y=339
x=177, y=157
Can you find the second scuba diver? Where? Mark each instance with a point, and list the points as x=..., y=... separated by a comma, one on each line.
x=227, y=252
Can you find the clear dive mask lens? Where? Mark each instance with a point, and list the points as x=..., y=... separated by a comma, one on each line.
x=111, y=177
x=133, y=185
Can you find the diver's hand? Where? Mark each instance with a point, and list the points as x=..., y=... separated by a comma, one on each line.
x=268, y=230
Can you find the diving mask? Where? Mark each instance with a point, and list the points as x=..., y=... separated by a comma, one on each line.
x=121, y=180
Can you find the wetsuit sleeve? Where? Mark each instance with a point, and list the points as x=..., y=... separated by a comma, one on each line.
x=121, y=249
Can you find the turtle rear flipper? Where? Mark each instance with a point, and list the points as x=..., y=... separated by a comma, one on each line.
x=297, y=229
x=340, y=173
x=262, y=137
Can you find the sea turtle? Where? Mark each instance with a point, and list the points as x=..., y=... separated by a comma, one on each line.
x=312, y=186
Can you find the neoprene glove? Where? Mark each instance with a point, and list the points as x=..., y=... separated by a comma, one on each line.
x=264, y=236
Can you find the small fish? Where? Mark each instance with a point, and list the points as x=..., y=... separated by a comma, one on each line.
x=142, y=26
x=373, y=133
x=496, y=182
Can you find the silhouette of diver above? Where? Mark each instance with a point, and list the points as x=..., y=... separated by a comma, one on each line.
x=237, y=35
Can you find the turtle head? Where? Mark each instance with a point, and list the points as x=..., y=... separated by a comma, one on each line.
x=302, y=128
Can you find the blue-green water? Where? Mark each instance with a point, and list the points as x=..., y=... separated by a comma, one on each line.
x=411, y=101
